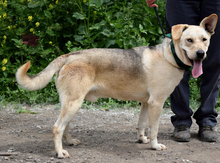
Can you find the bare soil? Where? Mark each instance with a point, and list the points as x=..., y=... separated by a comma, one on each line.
x=106, y=136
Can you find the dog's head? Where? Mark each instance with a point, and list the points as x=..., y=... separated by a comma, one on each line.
x=191, y=42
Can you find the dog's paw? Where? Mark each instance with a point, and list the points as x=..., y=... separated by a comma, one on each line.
x=159, y=147
x=63, y=154
x=143, y=139
x=73, y=142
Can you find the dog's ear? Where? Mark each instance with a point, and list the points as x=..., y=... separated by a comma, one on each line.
x=209, y=23
x=177, y=30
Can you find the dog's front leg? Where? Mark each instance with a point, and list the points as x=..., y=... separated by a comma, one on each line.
x=154, y=112
x=142, y=124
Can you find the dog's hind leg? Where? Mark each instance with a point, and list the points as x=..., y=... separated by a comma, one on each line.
x=73, y=82
x=68, y=138
x=142, y=124
x=69, y=110
x=154, y=111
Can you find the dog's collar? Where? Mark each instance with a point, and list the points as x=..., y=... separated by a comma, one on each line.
x=178, y=61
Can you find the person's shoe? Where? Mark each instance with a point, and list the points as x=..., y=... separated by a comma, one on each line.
x=182, y=133
x=208, y=134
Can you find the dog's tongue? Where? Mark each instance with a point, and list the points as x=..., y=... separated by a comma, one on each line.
x=197, y=68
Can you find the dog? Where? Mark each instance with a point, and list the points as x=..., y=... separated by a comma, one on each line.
x=145, y=74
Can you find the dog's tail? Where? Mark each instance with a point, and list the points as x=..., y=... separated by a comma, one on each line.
x=40, y=80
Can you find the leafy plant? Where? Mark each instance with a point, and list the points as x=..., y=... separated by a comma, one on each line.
x=41, y=30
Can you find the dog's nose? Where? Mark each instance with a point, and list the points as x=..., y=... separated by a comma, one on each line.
x=200, y=54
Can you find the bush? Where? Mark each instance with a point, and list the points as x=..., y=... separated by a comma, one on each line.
x=59, y=27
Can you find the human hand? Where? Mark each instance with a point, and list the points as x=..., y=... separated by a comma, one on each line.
x=151, y=3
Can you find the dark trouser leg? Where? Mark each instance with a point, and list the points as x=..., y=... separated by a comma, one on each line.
x=206, y=114
x=191, y=12
x=180, y=103
x=181, y=12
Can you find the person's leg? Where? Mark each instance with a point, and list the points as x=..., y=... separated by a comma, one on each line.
x=182, y=12
x=206, y=114
x=180, y=103
x=210, y=80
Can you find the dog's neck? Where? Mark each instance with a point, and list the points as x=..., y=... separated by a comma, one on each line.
x=168, y=53
x=178, y=62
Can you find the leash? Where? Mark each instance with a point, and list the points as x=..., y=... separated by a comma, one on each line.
x=158, y=18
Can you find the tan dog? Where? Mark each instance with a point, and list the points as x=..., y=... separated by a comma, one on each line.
x=145, y=74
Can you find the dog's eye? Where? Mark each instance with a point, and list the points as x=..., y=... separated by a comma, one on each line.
x=189, y=40
x=204, y=39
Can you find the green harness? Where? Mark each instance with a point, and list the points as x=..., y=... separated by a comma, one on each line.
x=178, y=61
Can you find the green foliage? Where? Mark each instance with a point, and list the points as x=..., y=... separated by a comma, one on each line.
x=66, y=26
x=195, y=97
x=109, y=103
x=21, y=110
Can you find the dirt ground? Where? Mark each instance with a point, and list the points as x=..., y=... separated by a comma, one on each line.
x=106, y=136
